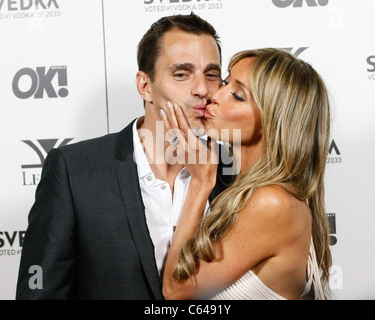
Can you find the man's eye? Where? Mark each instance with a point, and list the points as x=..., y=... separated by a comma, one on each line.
x=180, y=75
x=212, y=76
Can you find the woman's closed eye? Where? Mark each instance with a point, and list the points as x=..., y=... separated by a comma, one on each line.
x=237, y=97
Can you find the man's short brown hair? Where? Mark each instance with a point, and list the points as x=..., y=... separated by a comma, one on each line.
x=149, y=47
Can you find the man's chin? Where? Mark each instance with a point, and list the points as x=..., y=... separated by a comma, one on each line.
x=197, y=126
x=199, y=132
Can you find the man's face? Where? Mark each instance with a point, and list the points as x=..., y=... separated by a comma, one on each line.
x=187, y=72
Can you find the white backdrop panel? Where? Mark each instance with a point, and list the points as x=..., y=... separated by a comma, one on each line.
x=43, y=105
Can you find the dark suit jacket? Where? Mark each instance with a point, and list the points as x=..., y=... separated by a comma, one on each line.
x=87, y=228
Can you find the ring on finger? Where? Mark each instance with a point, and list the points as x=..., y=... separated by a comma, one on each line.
x=173, y=141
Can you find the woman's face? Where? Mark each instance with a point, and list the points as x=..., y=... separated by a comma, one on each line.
x=233, y=107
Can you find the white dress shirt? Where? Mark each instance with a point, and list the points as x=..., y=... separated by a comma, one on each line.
x=161, y=209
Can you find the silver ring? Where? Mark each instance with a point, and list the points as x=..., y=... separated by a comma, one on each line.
x=173, y=141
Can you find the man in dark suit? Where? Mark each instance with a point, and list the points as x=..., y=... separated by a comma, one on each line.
x=106, y=208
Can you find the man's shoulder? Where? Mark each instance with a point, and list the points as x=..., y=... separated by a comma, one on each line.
x=91, y=145
x=106, y=144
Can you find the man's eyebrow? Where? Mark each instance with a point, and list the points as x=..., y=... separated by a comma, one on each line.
x=190, y=66
x=182, y=66
x=213, y=66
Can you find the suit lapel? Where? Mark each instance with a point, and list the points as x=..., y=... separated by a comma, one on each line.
x=223, y=179
x=131, y=195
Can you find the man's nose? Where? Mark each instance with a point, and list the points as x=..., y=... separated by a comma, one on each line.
x=200, y=86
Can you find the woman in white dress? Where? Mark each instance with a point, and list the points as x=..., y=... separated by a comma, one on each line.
x=267, y=235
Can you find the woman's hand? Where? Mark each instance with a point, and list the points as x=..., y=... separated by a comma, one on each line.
x=199, y=157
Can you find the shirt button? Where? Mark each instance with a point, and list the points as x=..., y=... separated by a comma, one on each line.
x=163, y=186
x=149, y=178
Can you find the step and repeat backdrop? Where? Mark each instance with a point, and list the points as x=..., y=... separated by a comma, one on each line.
x=67, y=73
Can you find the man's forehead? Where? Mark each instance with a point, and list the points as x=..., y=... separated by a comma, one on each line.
x=177, y=40
x=181, y=50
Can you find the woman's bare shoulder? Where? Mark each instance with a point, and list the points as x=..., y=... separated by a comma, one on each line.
x=278, y=209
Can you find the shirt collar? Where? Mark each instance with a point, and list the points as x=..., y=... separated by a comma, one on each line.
x=143, y=167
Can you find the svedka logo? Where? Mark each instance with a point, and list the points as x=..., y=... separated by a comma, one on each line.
x=11, y=242
x=299, y=3
x=30, y=176
x=371, y=67
x=28, y=82
x=29, y=9
x=181, y=5
x=173, y=1
x=23, y=5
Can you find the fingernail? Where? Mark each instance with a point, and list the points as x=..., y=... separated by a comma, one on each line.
x=175, y=106
x=162, y=112
x=169, y=105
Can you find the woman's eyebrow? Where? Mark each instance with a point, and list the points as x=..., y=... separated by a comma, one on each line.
x=241, y=84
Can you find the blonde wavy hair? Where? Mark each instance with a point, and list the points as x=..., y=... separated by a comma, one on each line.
x=295, y=114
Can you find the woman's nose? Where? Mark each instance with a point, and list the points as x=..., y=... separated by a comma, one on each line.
x=215, y=96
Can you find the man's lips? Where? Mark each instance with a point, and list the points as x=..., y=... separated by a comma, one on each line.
x=200, y=109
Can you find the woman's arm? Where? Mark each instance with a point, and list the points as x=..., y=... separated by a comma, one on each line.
x=268, y=229
x=203, y=179
x=190, y=218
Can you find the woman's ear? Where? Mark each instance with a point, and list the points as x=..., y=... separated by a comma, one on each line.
x=143, y=86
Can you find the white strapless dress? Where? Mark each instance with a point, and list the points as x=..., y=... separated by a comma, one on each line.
x=251, y=287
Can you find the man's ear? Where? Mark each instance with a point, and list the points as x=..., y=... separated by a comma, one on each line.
x=143, y=86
